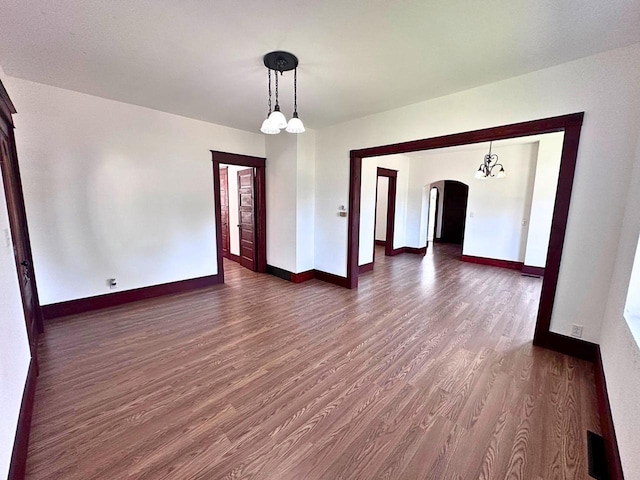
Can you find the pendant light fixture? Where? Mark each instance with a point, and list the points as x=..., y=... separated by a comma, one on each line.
x=268, y=126
x=281, y=62
x=486, y=167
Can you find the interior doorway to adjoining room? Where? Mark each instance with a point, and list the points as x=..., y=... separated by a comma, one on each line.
x=447, y=211
x=568, y=126
x=240, y=210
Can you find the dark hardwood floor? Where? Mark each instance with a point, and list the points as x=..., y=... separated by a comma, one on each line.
x=426, y=371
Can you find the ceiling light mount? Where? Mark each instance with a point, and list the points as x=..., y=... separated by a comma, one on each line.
x=280, y=61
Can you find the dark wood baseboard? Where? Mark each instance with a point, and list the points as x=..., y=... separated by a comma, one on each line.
x=18, y=465
x=290, y=276
x=568, y=345
x=81, y=305
x=533, y=271
x=233, y=257
x=302, y=276
x=381, y=242
x=367, y=267
x=614, y=465
x=414, y=250
x=279, y=272
x=494, y=262
x=331, y=278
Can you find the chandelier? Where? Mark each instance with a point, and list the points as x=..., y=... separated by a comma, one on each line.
x=280, y=62
x=486, y=167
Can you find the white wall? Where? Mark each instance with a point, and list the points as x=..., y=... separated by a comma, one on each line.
x=14, y=344
x=116, y=190
x=606, y=86
x=368, y=202
x=544, y=195
x=234, y=233
x=305, y=201
x=496, y=207
x=282, y=155
x=382, y=204
x=619, y=348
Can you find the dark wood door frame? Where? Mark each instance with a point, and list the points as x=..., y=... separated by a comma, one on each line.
x=224, y=210
x=569, y=124
x=259, y=164
x=392, y=175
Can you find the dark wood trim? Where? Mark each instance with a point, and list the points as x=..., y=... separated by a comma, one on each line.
x=71, y=307
x=414, y=250
x=387, y=172
x=233, y=257
x=17, y=468
x=367, y=267
x=570, y=346
x=569, y=124
x=494, y=262
x=7, y=109
x=259, y=163
x=353, y=228
x=533, y=271
x=523, y=129
x=302, y=276
x=614, y=464
x=558, y=231
x=381, y=242
x=238, y=159
x=290, y=276
x=279, y=272
x=331, y=278
x=392, y=175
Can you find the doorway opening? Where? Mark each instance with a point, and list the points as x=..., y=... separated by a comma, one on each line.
x=570, y=127
x=450, y=212
x=240, y=210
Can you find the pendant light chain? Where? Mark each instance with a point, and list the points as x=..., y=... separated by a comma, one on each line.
x=295, y=90
x=269, y=70
x=277, y=104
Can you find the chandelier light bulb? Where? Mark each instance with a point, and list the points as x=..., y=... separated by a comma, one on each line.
x=269, y=128
x=295, y=125
x=277, y=118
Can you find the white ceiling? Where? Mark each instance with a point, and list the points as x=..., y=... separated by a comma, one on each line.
x=203, y=59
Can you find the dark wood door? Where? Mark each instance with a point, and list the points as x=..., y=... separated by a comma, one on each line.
x=246, y=218
x=224, y=206
x=20, y=237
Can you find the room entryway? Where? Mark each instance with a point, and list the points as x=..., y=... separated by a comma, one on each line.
x=239, y=187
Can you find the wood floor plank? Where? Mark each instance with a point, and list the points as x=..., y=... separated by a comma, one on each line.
x=426, y=371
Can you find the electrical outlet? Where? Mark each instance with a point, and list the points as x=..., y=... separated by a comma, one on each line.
x=112, y=283
x=576, y=330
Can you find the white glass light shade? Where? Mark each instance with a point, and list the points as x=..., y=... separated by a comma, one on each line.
x=479, y=174
x=269, y=127
x=278, y=119
x=501, y=173
x=295, y=125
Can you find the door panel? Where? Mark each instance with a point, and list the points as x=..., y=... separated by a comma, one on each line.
x=20, y=239
x=246, y=218
x=224, y=206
